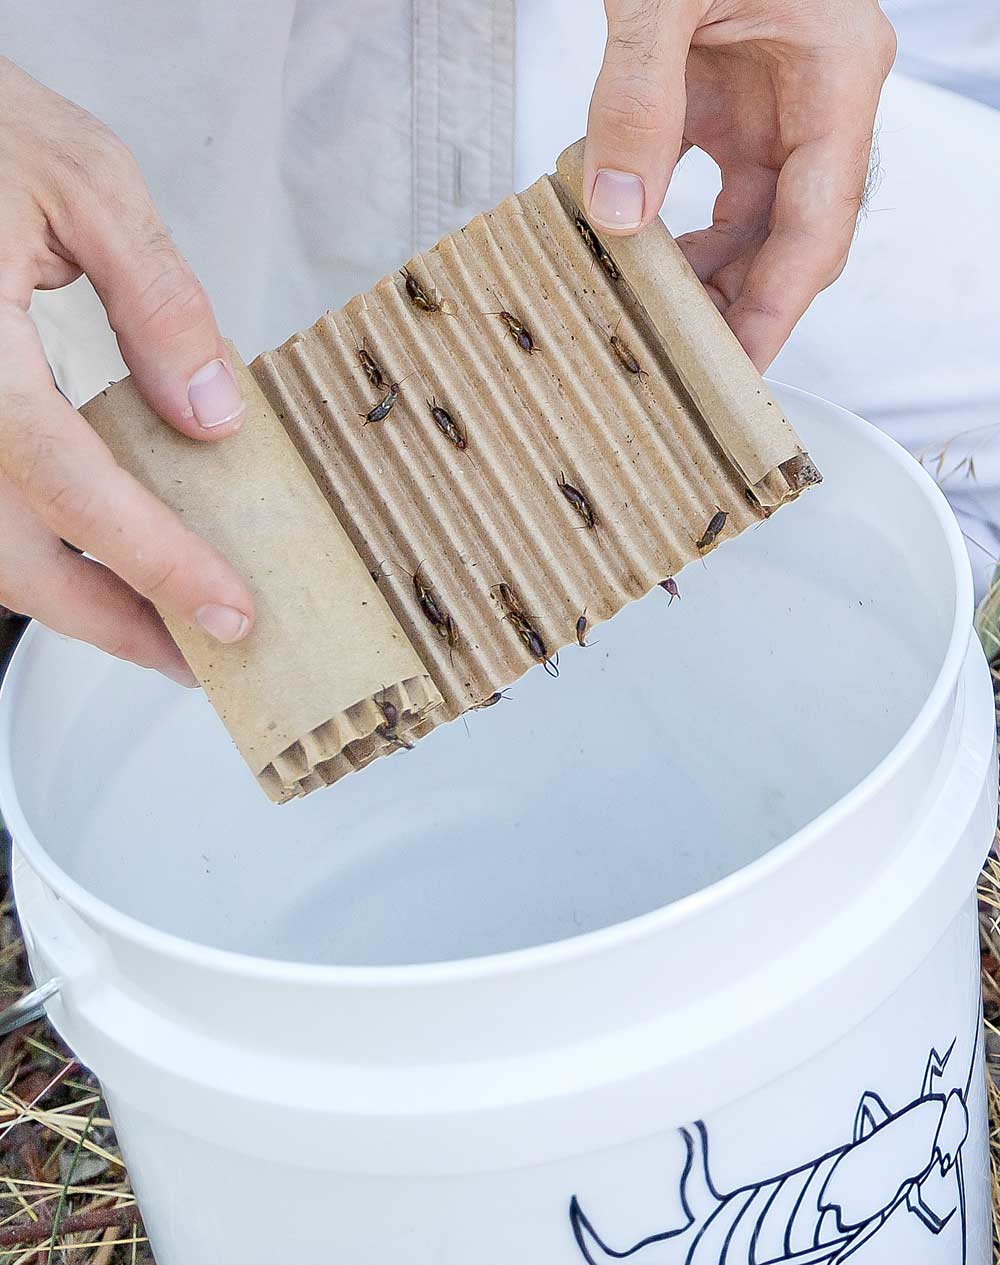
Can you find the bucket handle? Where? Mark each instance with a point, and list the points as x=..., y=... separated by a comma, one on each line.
x=29, y=1008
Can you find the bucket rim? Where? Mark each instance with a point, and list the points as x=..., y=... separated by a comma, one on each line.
x=589, y=944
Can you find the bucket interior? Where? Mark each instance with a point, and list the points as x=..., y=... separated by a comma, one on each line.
x=687, y=741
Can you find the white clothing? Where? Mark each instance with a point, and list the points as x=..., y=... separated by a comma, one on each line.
x=301, y=148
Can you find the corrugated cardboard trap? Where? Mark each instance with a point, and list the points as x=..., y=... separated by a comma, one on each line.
x=459, y=474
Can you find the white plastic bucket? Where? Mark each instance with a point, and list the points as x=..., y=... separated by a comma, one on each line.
x=678, y=951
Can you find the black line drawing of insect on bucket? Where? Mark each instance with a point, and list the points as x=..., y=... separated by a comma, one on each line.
x=825, y=1211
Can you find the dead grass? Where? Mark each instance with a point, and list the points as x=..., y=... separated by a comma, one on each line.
x=64, y=1191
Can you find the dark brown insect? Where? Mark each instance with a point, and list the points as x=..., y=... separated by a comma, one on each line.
x=440, y=619
x=578, y=501
x=534, y=644
x=517, y=330
x=713, y=530
x=596, y=249
x=446, y=424
x=507, y=599
x=669, y=585
x=491, y=701
x=626, y=357
x=388, y=734
x=449, y=630
x=373, y=371
x=419, y=297
x=384, y=407
x=428, y=603
x=390, y=712
x=751, y=499
x=582, y=624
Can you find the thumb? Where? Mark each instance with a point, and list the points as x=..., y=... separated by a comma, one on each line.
x=162, y=317
x=636, y=122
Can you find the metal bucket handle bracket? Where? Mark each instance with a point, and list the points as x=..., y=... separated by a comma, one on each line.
x=29, y=1008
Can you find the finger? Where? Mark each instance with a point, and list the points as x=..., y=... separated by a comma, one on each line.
x=72, y=595
x=72, y=483
x=636, y=121
x=816, y=209
x=163, y=319
x=739, y=220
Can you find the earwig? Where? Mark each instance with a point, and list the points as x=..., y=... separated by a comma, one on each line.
x=427, y=602
x=713, y=530
x=390, y=712
x=438, y=618
x=751, y=499
x=384, y=407
x=669, y=585
x=578, y=501
x=373, y=371
x=446, y=424
x=596, y=249
x=582, y=624
x=508, y=600
x=534, y=644
x=491, y=701
x=517, y=330
x=626, y=358
x=449, y=630
x=388, y=734
x=419, y=297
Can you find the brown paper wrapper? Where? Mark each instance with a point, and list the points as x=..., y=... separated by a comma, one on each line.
x=652, y=456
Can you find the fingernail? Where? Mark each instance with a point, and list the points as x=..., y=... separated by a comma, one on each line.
x=224, y=623
x=618, y=200
x=214, y=396
x=182, y=674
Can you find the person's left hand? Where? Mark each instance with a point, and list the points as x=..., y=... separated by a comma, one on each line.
x=782, y=94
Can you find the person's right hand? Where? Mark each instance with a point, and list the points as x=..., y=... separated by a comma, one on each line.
x=74, y=201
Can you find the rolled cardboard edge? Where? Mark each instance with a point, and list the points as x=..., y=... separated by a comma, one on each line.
x=305, y=696
x=716, y=372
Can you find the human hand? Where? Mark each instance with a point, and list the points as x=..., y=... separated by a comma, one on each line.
x=74, y=202
x=783, y=95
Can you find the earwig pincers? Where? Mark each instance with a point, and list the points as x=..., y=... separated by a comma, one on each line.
x=713, y=530
x=578, y=501
x=669, y=585
x=533, y=643
x=446, y=424
x=491, y=701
